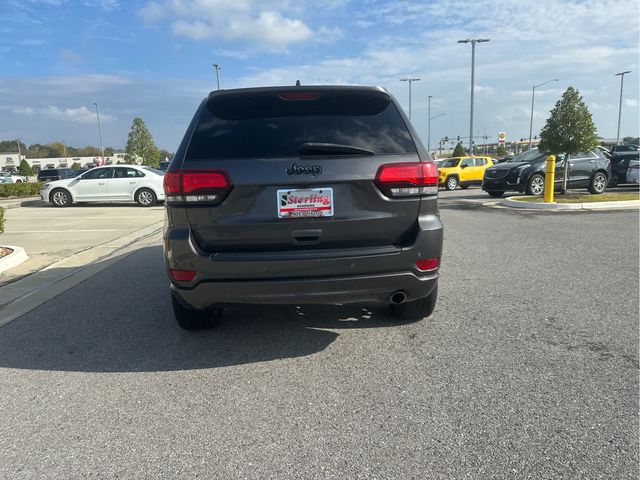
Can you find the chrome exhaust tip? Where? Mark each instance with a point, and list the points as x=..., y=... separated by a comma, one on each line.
x=398, y=297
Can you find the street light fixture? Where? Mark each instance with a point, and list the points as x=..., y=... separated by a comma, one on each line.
x=473, y=61
x=621, y=75
x=99, y=131
x=533, y=96
x=410, y=80
x=429, y=118
x=217, y=68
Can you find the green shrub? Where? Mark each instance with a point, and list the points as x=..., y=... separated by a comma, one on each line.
x=459, y=151
x=1, y=221
x=76, y=166
x=25, y=169
x=19, y=189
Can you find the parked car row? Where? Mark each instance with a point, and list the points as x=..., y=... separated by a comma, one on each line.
x=525, y=172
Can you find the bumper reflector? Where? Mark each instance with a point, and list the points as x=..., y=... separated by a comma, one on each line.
x=182, y=275
x=427, y=264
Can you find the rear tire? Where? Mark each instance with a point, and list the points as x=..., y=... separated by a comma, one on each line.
x=194, y=319
x=495, y=194
x=418, y=309
x=451, y=183
x=598, y=183
x=60, y=198
x=145, y=197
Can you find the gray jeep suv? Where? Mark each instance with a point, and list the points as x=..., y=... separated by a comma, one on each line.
x=301, y=195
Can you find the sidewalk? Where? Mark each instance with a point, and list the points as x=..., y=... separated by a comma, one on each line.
x=19, y=202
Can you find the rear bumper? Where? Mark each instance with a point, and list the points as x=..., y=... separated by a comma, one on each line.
x=303, y=276
x=377, y=288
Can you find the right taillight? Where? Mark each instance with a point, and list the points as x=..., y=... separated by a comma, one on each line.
x=197, y=186
x=413, y=179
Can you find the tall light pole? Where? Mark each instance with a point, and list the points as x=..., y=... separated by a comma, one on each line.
x=19, y=152
x=429, y=133
x=217, y=68
x=473, y=66
x=99, y=130
x=64, y=147
x=429, y=124
x=621, y=75
x=533, y=96
x=410, y=80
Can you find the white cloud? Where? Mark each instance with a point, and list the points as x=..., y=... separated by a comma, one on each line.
x=258, y=23
x=81, y=115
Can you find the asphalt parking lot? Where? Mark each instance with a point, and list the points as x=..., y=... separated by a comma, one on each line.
x=527, y=369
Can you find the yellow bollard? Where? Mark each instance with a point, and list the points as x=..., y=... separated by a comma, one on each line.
x=549, y=179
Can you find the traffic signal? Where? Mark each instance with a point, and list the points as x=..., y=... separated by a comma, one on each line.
x=458, y=137
x=446, y=139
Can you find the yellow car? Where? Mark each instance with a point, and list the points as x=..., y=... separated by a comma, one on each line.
x=462, y=171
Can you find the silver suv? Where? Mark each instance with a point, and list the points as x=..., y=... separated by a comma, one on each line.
x=301, y=195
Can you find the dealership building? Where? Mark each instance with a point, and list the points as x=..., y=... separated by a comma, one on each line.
x=11, y=161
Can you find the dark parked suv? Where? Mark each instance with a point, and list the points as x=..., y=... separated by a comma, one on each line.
x=301, y=195
x=50, y=174
x=525, y=173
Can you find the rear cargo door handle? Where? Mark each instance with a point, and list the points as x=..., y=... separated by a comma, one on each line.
x=306, y=237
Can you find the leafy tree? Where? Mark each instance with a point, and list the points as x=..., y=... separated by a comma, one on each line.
x=108, y=152
x=140, y=142
x=459, y=151
x=569, y=130
x=24, y=168
x=502, y=151
x=76, y=166
x=11, y=146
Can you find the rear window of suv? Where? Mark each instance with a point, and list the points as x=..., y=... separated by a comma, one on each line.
x=266, y=125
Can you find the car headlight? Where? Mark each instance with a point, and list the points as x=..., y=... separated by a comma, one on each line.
x=45, y=186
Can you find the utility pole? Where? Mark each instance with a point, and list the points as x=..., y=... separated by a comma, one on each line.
x=410, y=80
x=621, y=75
x=100, y=131
x=533, y=96
x=473, y=65
x=19, y=152
x=217, y=68
x=64, y=147
x=429, y=125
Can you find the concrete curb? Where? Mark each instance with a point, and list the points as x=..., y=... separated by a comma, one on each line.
x=511, y=202
x=20, y=202
x=14, y=259
x=24, y=295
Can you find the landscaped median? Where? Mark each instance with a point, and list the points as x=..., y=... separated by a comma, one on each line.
x=575, y=201
x=19, y=190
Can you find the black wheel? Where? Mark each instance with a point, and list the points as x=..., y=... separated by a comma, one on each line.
x=60, y=198
x=18, y=181
x=495, y=193
x=418, y=309
x=193, y=319
x=613, y=182
x=535, y=186
x=451, y=183
x=464, y=187
x=145, y=197
x=598, y=183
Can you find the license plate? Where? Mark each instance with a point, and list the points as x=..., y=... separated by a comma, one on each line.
x=311, y=202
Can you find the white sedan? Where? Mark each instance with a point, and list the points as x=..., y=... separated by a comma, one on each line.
x=6, y=177
x=107, y=184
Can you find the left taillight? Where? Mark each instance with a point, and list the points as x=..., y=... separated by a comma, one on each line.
x=197, y=186
x=415, y=179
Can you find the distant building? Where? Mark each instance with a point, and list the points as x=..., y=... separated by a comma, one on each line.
x=11, y=161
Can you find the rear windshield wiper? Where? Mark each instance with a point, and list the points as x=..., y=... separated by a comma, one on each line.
x=313, y=148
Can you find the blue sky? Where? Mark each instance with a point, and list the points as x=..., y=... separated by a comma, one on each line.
x=153, y=59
